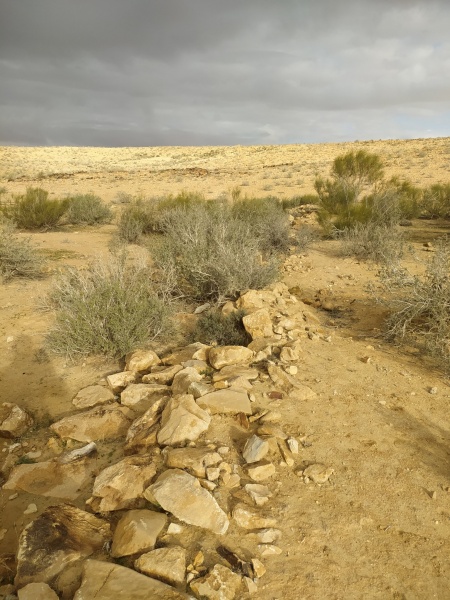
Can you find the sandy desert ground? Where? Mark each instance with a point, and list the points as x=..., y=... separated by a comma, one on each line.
x=380, y=528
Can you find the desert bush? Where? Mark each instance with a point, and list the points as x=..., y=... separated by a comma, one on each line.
x=18, y=258
x=87, y=209
x=436, y=201
x=305, y=236
x=35, y=210
x=380, y=243
x=213, y=252
x=302, y=200
x=214, y=328
x=110, y=308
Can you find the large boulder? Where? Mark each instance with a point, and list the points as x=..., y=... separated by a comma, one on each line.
x=255, y=299
x=222, y=356
x=14, y=421
x=92, y=396
x=141, y=360
x=258, y=324
x=140, y=396
x=137, y=531
x=100, y=423
x=182, y=421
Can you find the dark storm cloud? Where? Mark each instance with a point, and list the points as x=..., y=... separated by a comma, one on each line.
x=155, y=72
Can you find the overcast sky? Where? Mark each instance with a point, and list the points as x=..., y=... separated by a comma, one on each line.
x=213, y=72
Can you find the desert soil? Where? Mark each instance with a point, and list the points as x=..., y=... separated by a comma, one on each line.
x=380, y=528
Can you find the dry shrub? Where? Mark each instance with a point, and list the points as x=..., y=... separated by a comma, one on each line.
x=18, y=258
x=215, y=328
x=87, y=209
x=35, y=210
x=378, y=243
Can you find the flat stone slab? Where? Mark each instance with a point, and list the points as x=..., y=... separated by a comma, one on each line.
x=226, y=401
x=100, y=423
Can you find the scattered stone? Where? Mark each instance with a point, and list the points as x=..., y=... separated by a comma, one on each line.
x=108, y=581
x=166, y=564
x=183, y=380
x=194, y=460
x=258, y=324
x=142, y=432
x=141, y=396
x=292, y=370
x=235, y=562
x=37, y=591
x=255, y=449
x=233, y=371
x=121, y=486
x=141, y=360
x=231, y=481
x=288, y=354
x=223, y=356
x=182, y=495
x=212, y=473
x=261, y=471
x=433, y=390
x=199, y=365
x=226, y=401
x=14, y=421
x=92, y=395
x=286, y=455
x=318, y=473
x=267, y=536
x=251, y=586
x=31, y=509
x=162, y=376
x=193, y=351
x=182, y=420
x=100, y=423
x=60, y=536
x=273, y=430
x=254, y=299
x=258, y=568
x=76, y=454
x=220, y=584
x=292, y=445
x=137, y=531
x=199, y=388
x=175, y=529
x=269, y=550
x=248, y=518
x=260, y=494
x=296, y=390
x=118, y=381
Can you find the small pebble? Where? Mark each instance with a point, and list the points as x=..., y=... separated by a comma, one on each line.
x=433, y=390
x=32, y=508
x=12, y=497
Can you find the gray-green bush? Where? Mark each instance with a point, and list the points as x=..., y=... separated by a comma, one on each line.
x=87, y=209
x=35, y=210
x=18, y=257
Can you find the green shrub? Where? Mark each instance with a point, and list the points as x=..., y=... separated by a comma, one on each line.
x=18, y=258
x=87, y=209
x=224, y=330
x=35, y=210
x=295, y=201
x=110, y=308
x=380, y=243
x=436, y=201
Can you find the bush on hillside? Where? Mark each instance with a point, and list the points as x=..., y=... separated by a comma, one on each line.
x=35, y=210
x=18, y=258
x=215, y=328
x=87, y=209
x=436, y=201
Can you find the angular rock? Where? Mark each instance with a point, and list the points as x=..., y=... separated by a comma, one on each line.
x=182, y=495
x=233, y=371
x=107, y=581
x=223, y=356
x=183, y=380
x=137, y=531
x=141, y=360
x=118, y=381
x=142, y=432
x=37, y=591
x=199, y=365
x=199, y=388
x=267, y=536
x=165, y=564
x=100, y=423
x=289, y=354
x=254, y=299
x=14, y=421
x=194, y=460
x=258, y=324
x=92, y=395
x=248, y=518
x=193, y=351
x=51, y=478
x=318, y=473
x=121, y=486
x=261, y=471
x=295, y=389
x=260, y=494
x=182, y=420
x=220, y=584
x=140, y=396
x=226, y=401
x=60, y=536
x=255, y=449
x=162, y=375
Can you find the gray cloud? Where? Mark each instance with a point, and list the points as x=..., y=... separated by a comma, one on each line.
x=207, y=72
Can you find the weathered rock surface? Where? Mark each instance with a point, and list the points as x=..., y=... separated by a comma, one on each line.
x=166, y=564
x=51, y=478
x=295, y=389
x=194, y=460
x=255, y=449
x=182, y=495
x=140, y=396
x=60, y=536
x=141, y=360
x=248, y=518
x=318, y=473
x=122, y=485
x=142, y=432
x=223, y=356
x=234, y=371
x=196, y=351
x=183, y=380
x=118, y=381
x=199, y=388
x=162, y=375
x=260, y=494
x=220, y=584
x=226, y=401
x=258, y=324
x=14, y=421
x=92, y=396
x=137, y=531
x=37, y=591
x=182, y=420
x=107, y=581
x=261, y=470
x=254, y=299
x=100, y=423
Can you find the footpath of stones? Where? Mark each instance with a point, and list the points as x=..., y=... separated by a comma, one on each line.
x=187, y=510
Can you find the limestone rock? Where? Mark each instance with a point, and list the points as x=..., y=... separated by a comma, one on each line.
x=122, y=485
x=118, y=381
x=220, y=584
x=226, y=401
x=141, y=360
x=223, y=356
x=260, y=494
x=318, y=473
x=254, y=299
x=183, y=380
x=261, y=471
x=60, y=536
x=100, y=423
x=194, y=460
x=295, y=389
x=37, y=591
x=258, y=324
x=107, y=581
x=248, y=518
x=162, y=375
x=140, y=396
x=14, y=421
x=233, y=371
x=142, y=432
x=182, y=495
x=182, y=420
x=199, y=388
x=137, y=531
x=51, y=478
x=166, y=564
x=289, y=354
x=91, y=396
x=255, y=449
x=193, y=351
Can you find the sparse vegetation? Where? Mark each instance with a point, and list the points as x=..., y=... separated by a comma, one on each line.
x=18, y=258
x=436, y=201
x=377, y=242
x=215, y=328
x=35, y=210
x=87, y=209
x=295, y=201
